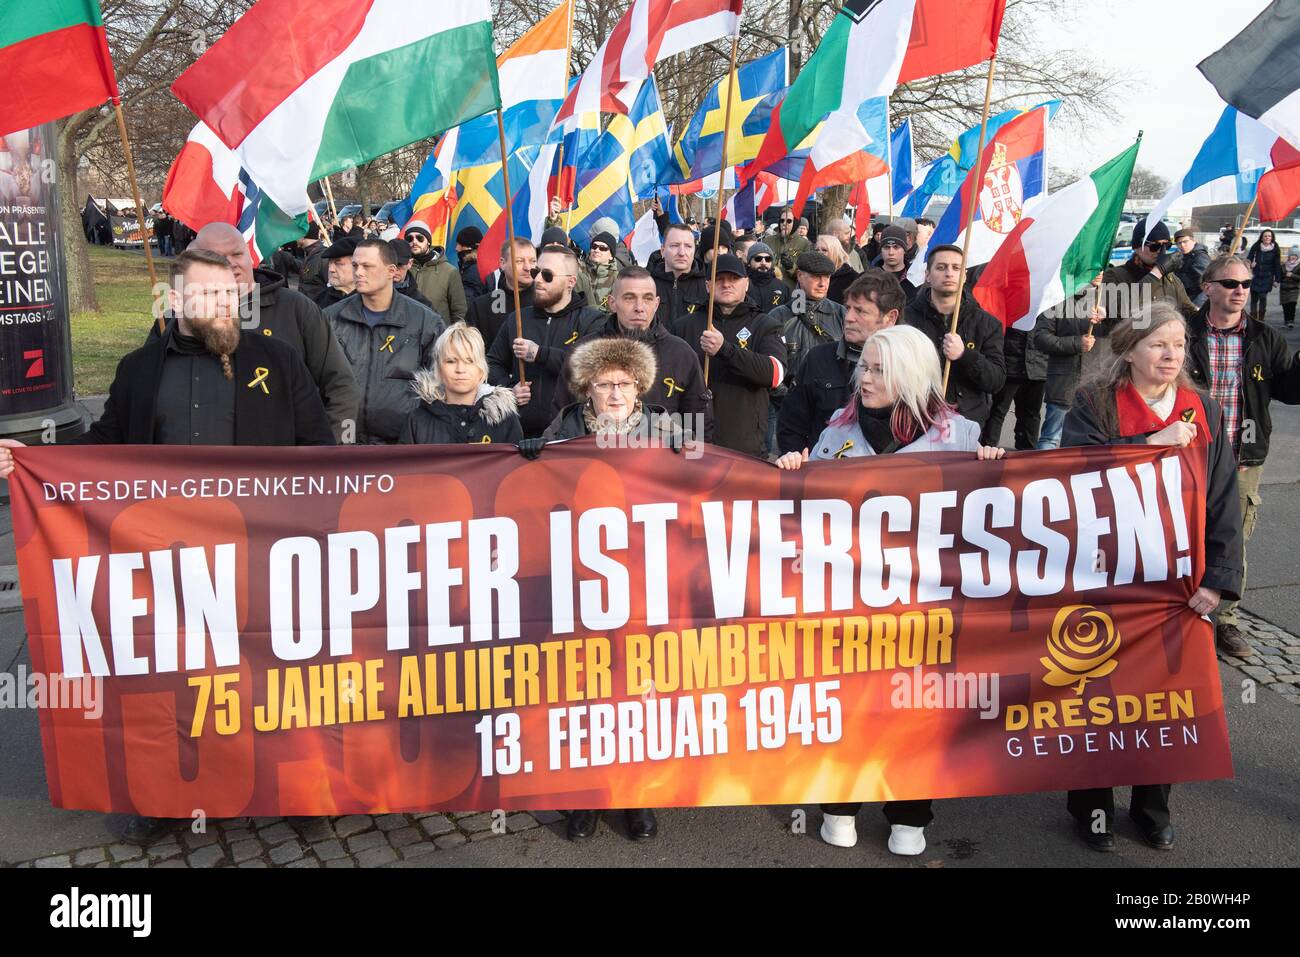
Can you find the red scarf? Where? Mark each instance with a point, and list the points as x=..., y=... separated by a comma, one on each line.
x=1138, y=418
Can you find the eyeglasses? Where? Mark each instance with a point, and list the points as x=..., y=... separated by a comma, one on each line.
x=599, y=248
x=546, y=274
x=1157, y=247
x=760, y=259
x=1231, y=283
x=603, y=389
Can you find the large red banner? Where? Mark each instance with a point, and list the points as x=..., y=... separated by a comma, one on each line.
x=307, y=631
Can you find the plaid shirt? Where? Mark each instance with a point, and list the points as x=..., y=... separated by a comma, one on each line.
x=1226, y=348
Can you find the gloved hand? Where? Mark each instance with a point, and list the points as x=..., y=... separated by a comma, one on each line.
x=675, y=441
x=531, y=449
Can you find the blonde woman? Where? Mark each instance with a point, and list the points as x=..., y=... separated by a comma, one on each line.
x=897, y=405
x=458, y=406
x=1144, y=397
x=844, y=274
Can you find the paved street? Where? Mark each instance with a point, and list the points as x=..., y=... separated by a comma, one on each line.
x=1249, y=821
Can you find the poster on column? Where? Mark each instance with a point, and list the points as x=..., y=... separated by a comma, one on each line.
x=333, y=631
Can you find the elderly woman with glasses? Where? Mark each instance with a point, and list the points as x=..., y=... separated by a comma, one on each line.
x=610, y=377
x=897, y=405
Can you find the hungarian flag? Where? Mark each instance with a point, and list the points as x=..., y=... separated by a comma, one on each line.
x=54, y=60
x=300, y=95
x=871, y=47
x=1058, y=250
x=1258, y=70
x=206, y=184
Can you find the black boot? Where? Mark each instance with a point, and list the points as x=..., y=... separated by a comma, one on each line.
x=641, y=824
x=1103, y=841
x=145, y=830
x=582, y=824
x=1161, y=838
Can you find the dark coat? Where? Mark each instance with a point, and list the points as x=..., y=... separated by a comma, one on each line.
x=469, y=278
x=288, y=411
x=981, y=371
x=329, y=296
x=1117, y=280
x=680, y=296
x=1289, y=291
x=1269, y=370
x=571, y=423
x=489, y=312
x=679, y=387
x=1189, y=268
x=750, y=364
x=384, y=367
x=1024, y=360
x=1223, y=544
x=821, y=387
x=806, y=329
x=766, y=292
x=493, y=417
x=555, y=336
x=841, y=279
x=1267, y=266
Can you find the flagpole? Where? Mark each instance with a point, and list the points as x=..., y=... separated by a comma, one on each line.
x=1245, y=221
x=329, y=194
x=568, y=57
x=889, y=162
x=510, y=235
x=145, y=231
x=969, y=212
x=722, y=184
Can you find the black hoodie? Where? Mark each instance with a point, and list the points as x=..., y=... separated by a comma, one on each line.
x=679, y=295
x=555, y=334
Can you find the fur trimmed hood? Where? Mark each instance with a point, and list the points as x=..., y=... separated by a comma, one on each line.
x=495, y=402
x=591, y=358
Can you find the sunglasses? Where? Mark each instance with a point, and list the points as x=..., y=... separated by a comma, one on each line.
x=1157, y=247
x=599, y=248
x=1231, y=283
x=760, y=259
x=546, y=274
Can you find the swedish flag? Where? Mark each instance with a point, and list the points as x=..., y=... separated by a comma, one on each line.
x=754, y=94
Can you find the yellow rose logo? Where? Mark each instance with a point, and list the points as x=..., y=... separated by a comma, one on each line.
x=1082, y=645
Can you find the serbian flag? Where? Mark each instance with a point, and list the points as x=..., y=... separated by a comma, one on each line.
x=1011, y=176
x=54, y=60
x=869, y=48
x=206, y=184
x=1059, y=248
x=300, y=94
x=650, y=31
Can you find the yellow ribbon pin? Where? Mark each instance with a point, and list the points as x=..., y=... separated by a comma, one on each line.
x=261, y=379
x=672, y=386
x=1257, y=373
x=388, y=344
x=572, y=339
x=844, y=448
x=486, y=440
x=266, y=332
x=818, y=329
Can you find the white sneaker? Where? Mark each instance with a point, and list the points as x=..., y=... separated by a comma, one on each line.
x=906, y=840
x=840, y=830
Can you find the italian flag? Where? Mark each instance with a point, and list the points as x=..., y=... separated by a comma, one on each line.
x=1053, y=254
x=54, y=60
x=299, y=93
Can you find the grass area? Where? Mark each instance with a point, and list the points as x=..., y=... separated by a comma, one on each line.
x=101, y=339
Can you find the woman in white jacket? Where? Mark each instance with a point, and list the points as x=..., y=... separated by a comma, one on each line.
x=897, y=405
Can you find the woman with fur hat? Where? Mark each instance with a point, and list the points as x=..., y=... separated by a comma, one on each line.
x=459, y=406
x=897, y=405
x=610, y=376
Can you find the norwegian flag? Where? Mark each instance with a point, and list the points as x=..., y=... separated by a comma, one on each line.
x=650, y=31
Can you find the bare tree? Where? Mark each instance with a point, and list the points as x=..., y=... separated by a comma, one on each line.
x=1146, y=184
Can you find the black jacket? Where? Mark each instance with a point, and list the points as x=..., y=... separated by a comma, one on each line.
x=981, y=371
x=1024, y=359
x=1189, y=268
x=679, y=387
x=841, y=279
x=1118, y=280
x=1223, y=545
x=766, y=292
x=284, y=408
x=489, y=312
x=1269, y=370
x=555, y=336
x=411, y=291
x=571, y=422
x=750, y=364
x=813, y=326
x=329, y=296
x=384, y=360
x=469, y=278
x=821, y=388
x=680, y=296
x=493, y=417
x=1266, y=265
x=910, y=289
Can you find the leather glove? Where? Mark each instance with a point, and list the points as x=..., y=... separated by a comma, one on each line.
x=531, y=449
